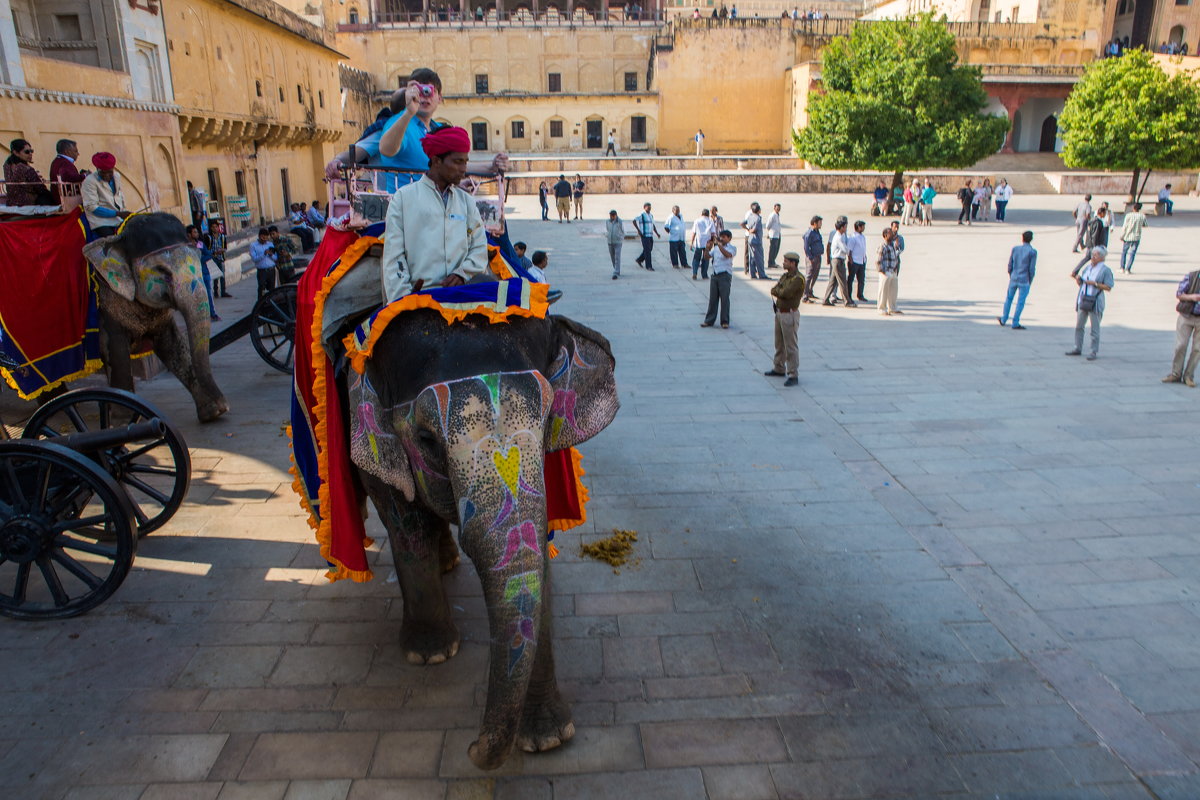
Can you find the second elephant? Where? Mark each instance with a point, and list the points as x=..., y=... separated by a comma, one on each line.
x=146, y=273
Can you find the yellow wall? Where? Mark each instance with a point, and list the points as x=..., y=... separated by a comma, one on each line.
x=731, y=81
x=514, y=59
x=60, y=76
x=146, y=144
x=262, y=176
x=255, y=94
x=613, y=112
x=752, y=102
x=219, y=53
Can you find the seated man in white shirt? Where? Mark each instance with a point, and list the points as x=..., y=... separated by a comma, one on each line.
x=434, y=234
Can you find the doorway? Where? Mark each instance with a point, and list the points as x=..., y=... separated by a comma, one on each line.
x=287, y=192
x=595, y=134
x=479, y=136
x=214, y=189
x=1049, y=135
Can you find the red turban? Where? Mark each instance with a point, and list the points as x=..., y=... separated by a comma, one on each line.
x=446, y=140
x=104, y=161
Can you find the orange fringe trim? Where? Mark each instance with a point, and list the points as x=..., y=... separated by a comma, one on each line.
x=581, y=491
x=538, y=306
x=324, y=526
x=498, y=265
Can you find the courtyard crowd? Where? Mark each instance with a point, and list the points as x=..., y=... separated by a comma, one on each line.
x=846, y=252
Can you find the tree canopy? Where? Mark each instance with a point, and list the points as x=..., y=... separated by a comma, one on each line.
x=896, y=98
x=1127, y=113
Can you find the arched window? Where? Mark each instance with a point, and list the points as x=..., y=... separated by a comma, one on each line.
x=354, y=16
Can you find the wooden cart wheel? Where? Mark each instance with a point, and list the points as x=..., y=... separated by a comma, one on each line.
x=273, y=327
x=155, y=473
x=67, y=536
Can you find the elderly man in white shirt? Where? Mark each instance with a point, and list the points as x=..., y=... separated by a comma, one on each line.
x=434, y=234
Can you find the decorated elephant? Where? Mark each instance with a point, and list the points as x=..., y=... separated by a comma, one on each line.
x=145, y=273
x=454, y=424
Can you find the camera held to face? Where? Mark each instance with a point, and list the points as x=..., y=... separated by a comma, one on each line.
x=425, y=89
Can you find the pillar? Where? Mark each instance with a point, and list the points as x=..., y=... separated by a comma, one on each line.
x=1012, y=98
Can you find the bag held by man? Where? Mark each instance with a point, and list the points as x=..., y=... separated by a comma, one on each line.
x=1188, y=306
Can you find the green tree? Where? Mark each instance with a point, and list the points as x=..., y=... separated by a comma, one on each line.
x=1127, y=113
x=896, y=98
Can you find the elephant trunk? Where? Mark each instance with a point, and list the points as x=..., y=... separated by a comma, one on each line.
x=509, y=552
x=195, y=370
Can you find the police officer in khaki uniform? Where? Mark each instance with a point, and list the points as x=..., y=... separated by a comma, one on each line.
x=787, y=293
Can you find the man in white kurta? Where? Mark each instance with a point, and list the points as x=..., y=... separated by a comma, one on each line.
x=434, y=234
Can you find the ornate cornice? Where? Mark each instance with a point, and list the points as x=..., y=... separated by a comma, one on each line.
x=199, y=128
x=81, y=99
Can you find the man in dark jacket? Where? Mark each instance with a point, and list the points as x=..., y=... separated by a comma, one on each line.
x=1095, y=234
x=814, y=251
x=64, y=171
x=562, y=198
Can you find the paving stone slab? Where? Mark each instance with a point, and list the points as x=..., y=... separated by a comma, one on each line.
x=908, y=535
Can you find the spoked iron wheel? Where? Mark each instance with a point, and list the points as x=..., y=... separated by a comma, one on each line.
x=67, y=535
x=273, y=327
x=155, y=473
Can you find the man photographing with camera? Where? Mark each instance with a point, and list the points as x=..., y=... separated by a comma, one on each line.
x=398, y=143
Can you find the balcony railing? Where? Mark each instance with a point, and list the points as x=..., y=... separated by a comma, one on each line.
x=521, y=17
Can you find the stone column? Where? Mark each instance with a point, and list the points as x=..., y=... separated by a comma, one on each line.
x=1012, y=98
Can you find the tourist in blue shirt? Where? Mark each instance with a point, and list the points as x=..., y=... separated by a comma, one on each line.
x=262, y=255
x=400, y=145
x=394, y=139
x=1022, y=264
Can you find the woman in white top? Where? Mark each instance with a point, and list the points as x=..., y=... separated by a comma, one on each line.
x=1004, y=193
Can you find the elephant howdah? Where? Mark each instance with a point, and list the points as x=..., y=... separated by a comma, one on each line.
x=147, y=272
x=452, y=423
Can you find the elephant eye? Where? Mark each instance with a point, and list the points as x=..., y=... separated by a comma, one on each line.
x=427, y=439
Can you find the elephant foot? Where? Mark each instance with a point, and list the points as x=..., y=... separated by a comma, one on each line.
x=489, y=751
x=545, y=726
x=429, y=646
x=209, y=412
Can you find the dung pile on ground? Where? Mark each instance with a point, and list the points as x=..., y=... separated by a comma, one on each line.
x=615, y=550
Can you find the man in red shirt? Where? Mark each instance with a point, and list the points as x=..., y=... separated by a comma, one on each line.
x=64, y=171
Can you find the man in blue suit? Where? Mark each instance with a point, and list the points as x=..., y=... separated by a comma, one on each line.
x=1022, y=264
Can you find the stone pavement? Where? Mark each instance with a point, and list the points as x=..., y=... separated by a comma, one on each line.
x=953, y=562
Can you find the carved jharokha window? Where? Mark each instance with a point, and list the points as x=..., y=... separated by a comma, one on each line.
x=79, y=31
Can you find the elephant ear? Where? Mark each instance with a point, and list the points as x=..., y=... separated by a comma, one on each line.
x=375, y=448
x=584, y=388
x=111, y=266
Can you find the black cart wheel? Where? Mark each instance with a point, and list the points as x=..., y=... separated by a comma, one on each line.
x=67, y=535
x=273, y=327
x=155, y=473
